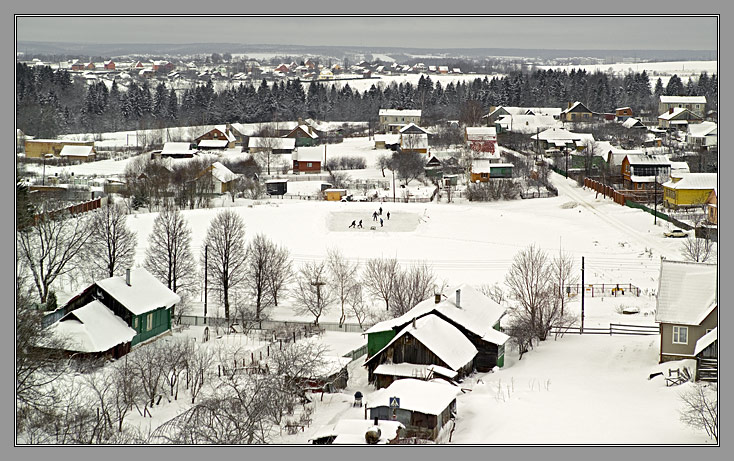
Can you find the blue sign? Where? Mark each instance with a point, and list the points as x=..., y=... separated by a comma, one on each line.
x=394, y=402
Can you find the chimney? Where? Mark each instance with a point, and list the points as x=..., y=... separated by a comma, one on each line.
x=670, y=111
x=127, y=277
x=413, y=322
x=458, y=298
x=438, y=297
x=569, y=105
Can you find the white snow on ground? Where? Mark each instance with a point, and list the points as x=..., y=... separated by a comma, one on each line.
x=655, y=70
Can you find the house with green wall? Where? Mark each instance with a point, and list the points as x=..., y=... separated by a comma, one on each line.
x=475, y=315
x=113, y=315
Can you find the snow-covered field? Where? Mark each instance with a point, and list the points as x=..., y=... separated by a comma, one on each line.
x=655, y=70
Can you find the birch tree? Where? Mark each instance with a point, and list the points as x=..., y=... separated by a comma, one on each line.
x=313, y=294
x=343, y=279
x=112, y=243
x=168, y=256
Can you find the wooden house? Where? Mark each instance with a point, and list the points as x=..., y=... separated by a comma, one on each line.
x=687, y=305
x=482, y=170
x=304, y=135
x=472, y=313
x=622, y=113
x=576, y=112
x=163, y=66
x=631, y=122
x=109, y=65
x=334, y=195
x=642, y=171
x=481, y=139
x=275, y=145
x=222, y=178
x=77, y=65
x=413, y=138
x=688, y=190
x=307, y=160
x=38, y=148
x=90, y=66
x=434, y=167
x=678, y=118
x=114, y=314
x=428, y=340
x=219, y=137
x=423, y=407
x=707, y=356
x=712, y=210
x=695, y=104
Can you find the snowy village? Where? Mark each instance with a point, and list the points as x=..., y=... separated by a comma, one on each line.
x=292, y=248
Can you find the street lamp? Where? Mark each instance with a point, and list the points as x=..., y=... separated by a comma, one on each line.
x=45, y=156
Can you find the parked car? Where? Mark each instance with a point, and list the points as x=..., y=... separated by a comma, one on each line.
x=676, y=233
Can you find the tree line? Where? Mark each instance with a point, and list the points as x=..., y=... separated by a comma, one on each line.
x=50, y=102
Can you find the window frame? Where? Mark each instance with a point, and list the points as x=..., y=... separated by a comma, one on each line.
x=149, y=322
x=677, y=329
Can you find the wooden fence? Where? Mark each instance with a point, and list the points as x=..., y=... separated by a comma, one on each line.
x=78, y=208
x=598, y=290
x=611, y=330
x=278, y=324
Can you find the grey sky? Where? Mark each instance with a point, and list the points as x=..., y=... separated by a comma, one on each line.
x=445, y=32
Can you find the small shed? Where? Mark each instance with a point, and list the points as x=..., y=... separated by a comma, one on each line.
x=78, y=153
x=335, y=195
x=276, y=186
x=423, y=407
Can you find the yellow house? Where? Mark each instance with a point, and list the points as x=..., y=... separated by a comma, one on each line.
x=712, y=210
x=335, y=195
x=37, y=148
x=690, y=189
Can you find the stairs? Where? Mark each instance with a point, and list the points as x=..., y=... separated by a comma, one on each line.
x=708, y=370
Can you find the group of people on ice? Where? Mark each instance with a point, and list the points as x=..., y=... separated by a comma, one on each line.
x=376, y=216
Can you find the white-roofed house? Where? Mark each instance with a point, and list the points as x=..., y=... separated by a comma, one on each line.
x=472, y=313
x=391, y=120
x=218, y=138
x=642, y=171
x=702, y=135
x=526, y=123
x=276, y=145
x=413, y=138
x=177, y=150
x=114, y=314
x=678, y=118
x=576, y=112
x=426, y=341
x=78, y=153
x=423, y=407
x=696, y=104
x=481, y=138
x=687, y=307
x=304, y=135
x=688, y=189
x=222, y=178
x=307, y=160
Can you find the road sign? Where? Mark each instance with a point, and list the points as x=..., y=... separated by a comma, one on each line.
x=394, y=402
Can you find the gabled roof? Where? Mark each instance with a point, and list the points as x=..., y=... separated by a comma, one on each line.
x=144, y=294
x=414, y=141
x=683, y=99
x=478, y=314
x=401, y=112
x=92, y=328
x=632, y=122
x=305, y=129
x=481, y=132
x=559, y=134
x=170, y=148
x=701, y=129
x=413, y=370
x=213, y=143
x=412, y=128
x=308, y=154
x=693, y=181
x=706, y=340
x=426, y=397
x=686, y=292
x=678, y=113
x=577, y=106
x=648, y=159
x=441, y=338
x=76, y=151
x=222, y=173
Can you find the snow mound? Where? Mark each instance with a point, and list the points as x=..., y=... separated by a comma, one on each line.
x=569, y=205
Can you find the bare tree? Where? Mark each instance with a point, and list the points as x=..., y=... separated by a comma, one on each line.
x=493, y=292
x=701, y=408
x=146, y=361
x=127, y=392
x=471, y=112
x=342, y=278
x=529, y=282
x=168, y=256
x=51, y=248
x=358, y=307
x=379, y=277
x=313, y=294
x=563, y=270
x=412, y=286
x=698, y=249
x=383, y=163
x=280, y=272
x=111, y=246
x=198, y=363
x=409, y=166
x=227, y=254
x=257, y=268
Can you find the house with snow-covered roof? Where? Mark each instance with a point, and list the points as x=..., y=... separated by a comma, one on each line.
x=641, y=171
x=576, y=112
x=354, y=432
x=222, y=178
x=78, y=153
x=307, y=160
x=257, y=144
x=304, y=135
x=631, y=122
x=696, y=104
x=702, y=135
x=677, y=118
x=423, y=407
x=426, y=341
x=114, y=314
x=218, y=138
x=471, y=312
x=392, y=120
x=687, y=307
x=177, y=150
x=688, y=189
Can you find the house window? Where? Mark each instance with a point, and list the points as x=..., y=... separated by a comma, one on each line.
x=309, y=164
x=135, y=323
x=149, y=322
x=680, y=335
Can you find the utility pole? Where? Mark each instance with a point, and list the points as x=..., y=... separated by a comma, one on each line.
x=583, y=291
x=393, y=186
x=655, y=221
x=206, y=254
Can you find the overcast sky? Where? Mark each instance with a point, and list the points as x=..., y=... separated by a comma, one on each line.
x=696, y=33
